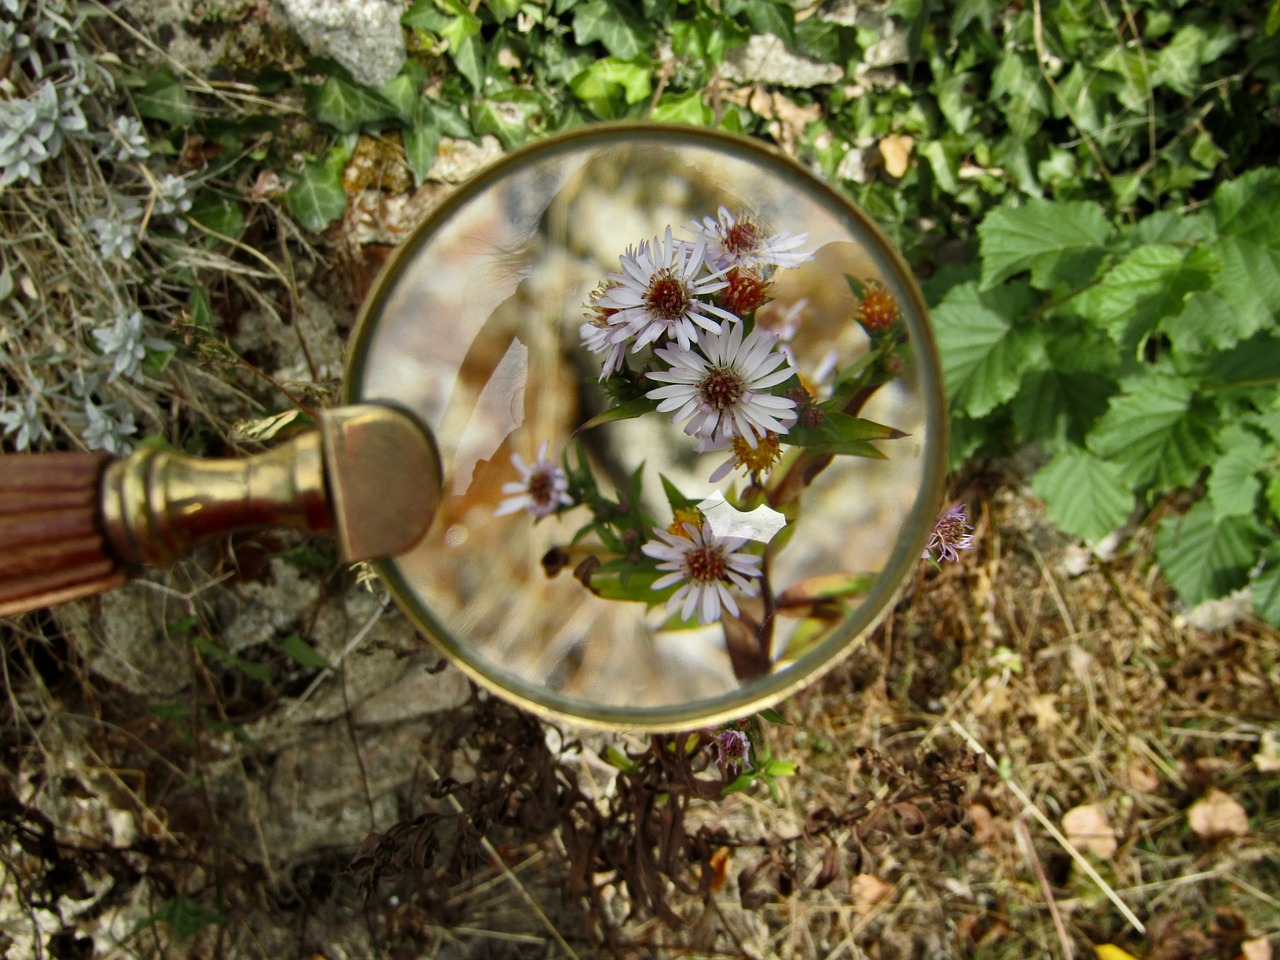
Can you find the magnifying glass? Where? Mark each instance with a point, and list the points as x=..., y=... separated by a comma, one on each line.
x=643, y=425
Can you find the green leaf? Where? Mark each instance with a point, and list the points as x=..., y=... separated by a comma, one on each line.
x=304, y=653
x=615, y=24
x=1204, y=558
x=1059, y=407
x=1151, y=283
x=1060, y=242
x=1155, y=432
x=1235, y=479
x=1266, y=587
x=687, y=108
x=780, y=768
x=616, y=758
x=187, y=917
x=985, y=351
x=773, y=716
x=512, y=116
x=162, y=96
x=623, y=411
x=767, y=16
x=839, y=433
x=1083, y=495
x=200, y=308
x=317, y=198
x=422, y=142
x=347, y=107
x=1248, y=215
x=218, y=213
x=676, y=499
x=600, y=85
x=255, y=671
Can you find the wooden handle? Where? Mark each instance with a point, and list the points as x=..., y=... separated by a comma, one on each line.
x=52, y=545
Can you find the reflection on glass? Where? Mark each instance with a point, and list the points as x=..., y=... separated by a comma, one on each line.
x=677, y=394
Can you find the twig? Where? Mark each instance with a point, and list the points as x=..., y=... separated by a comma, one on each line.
x=506, y=870
x=1024, y=835
x=1031, y=808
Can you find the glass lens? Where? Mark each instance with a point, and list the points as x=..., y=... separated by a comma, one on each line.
x=690, y=415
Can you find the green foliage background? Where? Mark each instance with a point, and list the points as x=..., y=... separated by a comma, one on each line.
x=1091, y=198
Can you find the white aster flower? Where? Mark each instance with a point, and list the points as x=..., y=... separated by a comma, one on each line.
x=721, y=388
x=708, y=564
x=542, y=488
x=657, y=293
x=602, y=338
x=741, y=242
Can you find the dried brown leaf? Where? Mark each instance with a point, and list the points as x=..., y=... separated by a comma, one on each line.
x=869, y=892
x=1216, y=816
x=1088, y=828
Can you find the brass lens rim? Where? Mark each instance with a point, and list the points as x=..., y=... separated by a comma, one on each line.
x=889, y=585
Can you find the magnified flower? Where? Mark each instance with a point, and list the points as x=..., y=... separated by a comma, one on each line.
x=877, y=309
x=757, y=457
x=708, y=565
x=542, y=488
x=740, y=241
x=657, y=293
x=951, y=533
x=721, y=390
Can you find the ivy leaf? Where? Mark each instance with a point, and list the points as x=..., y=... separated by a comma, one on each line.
x=512, y=116
x=603, y=81
x=1155, y=433
x=767, y=16
x=984, y=351
x=422, y=141
x=316, y=197
x=1204, y=558
x=218, y=213
x=1060, y=242
x=1235, y=479
x=615, y=24
x=1248, y=214
x=162, y=96
x=687, y=108
x=1082, y=494
x=348, y=106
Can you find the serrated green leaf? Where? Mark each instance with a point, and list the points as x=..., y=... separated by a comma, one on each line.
x=304, y=653
x=1205, y=558
x=1083, y=495
x=984, y=346
x=347, y=106
x=1272, y=494
x=1206, y=321
x=1235, y=478
x=1176, y=227
x=1155, y=432
x=1057, y=407
x=615, y=24
x=1254, y=363
x=1149, y=284
x=1266, y=586
x=1248, y=216
x=1060, y=242
x=317, y=198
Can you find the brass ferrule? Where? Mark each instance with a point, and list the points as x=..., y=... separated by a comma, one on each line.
x=156, y=504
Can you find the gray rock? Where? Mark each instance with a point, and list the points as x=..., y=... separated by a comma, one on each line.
x=362, y=35
x=766, y=59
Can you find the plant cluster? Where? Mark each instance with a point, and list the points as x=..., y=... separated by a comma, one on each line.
x=1144, y=360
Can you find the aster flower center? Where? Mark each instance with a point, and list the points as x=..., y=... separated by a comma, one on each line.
x=705, y=564
x=761, y=457
x=667, y=296
x=721, y=389
x=742, y=238
x=542, y=487
x=951, y=529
